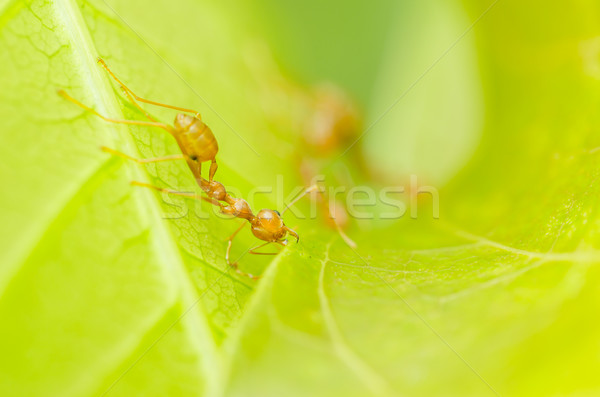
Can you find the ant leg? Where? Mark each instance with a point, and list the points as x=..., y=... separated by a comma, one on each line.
x=137, y=105
x=142, y=161
x=234, y=265
x=213, y=170
x=165, y=127
x=105, y=66
x=343, y=234
x=176, y=193
x=230, y=243
x=253, y=250
x=242, y=273
x=326, y=208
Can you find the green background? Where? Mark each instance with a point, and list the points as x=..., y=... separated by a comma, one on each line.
x=101, y=295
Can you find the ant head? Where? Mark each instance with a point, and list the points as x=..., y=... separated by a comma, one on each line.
x=269, y=226
x=183, y=121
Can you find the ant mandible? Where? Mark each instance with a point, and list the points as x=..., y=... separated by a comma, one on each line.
x=198, y=144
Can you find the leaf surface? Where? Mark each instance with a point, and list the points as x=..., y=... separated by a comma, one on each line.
x=105, y=288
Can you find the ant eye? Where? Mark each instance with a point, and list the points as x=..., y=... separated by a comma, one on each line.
x=277, y=212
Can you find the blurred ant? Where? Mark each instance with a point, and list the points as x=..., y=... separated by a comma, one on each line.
x=198, y=144
x=329, y=119
x=333, y=125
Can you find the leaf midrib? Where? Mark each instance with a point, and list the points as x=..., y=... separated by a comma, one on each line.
x=84, y=50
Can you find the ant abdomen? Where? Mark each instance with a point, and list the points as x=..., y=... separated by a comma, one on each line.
x=196, y=137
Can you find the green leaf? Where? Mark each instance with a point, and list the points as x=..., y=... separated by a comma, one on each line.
x=108, y=289
x=91, y=275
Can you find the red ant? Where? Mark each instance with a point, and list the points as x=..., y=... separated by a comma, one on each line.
x=198, y=144
x=266, y=225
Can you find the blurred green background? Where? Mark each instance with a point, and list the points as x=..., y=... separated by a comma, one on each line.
x=110, y=290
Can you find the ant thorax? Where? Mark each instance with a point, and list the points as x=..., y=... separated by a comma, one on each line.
x=241, y=208
x=216, y=190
